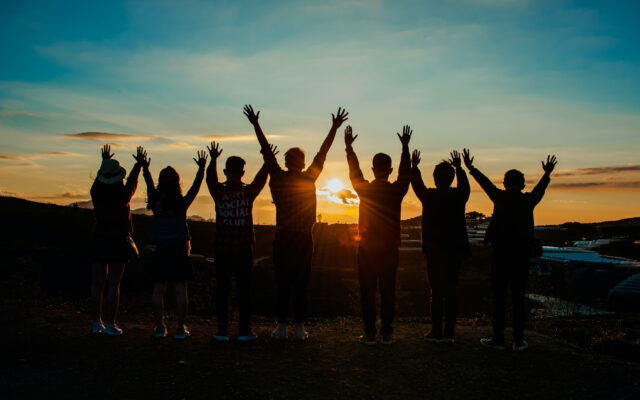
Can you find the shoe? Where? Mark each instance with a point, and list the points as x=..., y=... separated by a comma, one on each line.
x=494, y=344
x=368, y=338
x=448, y=338
x=433, y=337
x=301, y=333
x=520, y=346
x=221, y=337
x=280, y=333
x=247, y=335
x=182, y=332
x=388, y=339
x=97, y=328
x=161, y=332
x=113, y=330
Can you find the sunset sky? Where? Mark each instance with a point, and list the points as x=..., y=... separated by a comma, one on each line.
x=513, y=80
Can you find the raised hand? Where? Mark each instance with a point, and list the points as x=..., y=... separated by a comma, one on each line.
x=406, y=135
x=274, y=150
x=214, y=150
x=339, y=117
x=202, y=159
x=251, y=115
x=141, y=157
x=348, y=136
x=550, y=164
x=455, y=159
x=415, y=158
x=468, y=160
x=106, y=149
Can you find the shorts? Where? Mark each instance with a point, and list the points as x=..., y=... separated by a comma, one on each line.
x=171, y=263
x=112, y=249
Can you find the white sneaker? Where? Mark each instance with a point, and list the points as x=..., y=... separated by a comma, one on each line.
x=97, y=328
x=520, y=346
x=280, y=333
x=182, y=333
x=161, y=332
x=301, y=334
x=113, y=330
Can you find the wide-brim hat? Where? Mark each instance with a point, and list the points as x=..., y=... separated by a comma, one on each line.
x=111, y=172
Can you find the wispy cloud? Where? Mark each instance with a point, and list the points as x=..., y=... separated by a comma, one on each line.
x=11, y=158
x=237, y=138
x=608, y=184
x=344, y=196
x=600, y=170
x=105, y=136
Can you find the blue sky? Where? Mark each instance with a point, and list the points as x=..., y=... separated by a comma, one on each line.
x=513, y=80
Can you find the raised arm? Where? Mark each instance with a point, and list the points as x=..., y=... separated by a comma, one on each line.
x=404, y=171
x=195, y=188
x=538, y=191
x=212, y=173
x=256, y=186
x=461, y=176
x=132, y=180
x=416, y=177
x=269, y=157
x=355, y=173
x=318, y=161
x=485, y=183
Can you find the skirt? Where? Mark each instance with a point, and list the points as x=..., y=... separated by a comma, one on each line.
x=171, y=263
x=112, y=249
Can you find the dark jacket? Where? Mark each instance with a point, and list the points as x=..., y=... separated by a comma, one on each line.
x=111, y=206
x=380, y=201
x=511, y=226
x=443, y=214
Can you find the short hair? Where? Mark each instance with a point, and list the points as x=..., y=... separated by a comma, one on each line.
x=381, y=162
x=443, y=174
x=513, y=177
x=294, y=156
x=235, y=164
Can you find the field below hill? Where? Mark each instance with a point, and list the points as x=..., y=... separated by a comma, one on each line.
x=47, y=352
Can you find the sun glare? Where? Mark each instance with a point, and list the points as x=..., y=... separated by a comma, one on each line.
x=335, y=185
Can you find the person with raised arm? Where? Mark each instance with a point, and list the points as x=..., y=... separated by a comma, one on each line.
x=173, y=242
x=511, y=235
x=444, y=238
x=111, y=244
x=294, y=195
x=234, y=238
x=379, y=229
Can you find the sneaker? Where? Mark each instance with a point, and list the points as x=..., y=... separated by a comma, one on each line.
x=433, y=337
x=161, y=332
x=182, y=332
x=448, y=339
x=520, y=346
x=97, y=328
x=301, y=333
x=221, y=337
x=368, y=338
x=280, y=333
x=388, y=339
x=247, y=336
x=494, y=344
x=113, y=330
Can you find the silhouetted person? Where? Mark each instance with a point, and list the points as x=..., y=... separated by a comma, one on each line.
x=444, y=238
x=171, y=261
x=294, y=195
x=510, y=233
x=234, y=238
x=379, y=228
x=111, y=244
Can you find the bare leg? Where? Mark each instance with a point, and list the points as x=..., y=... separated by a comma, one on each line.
x=116, y=271
x=182, y=302
x=157, y=300
x=98, y=278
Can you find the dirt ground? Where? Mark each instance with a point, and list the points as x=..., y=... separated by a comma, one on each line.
x=48, y=353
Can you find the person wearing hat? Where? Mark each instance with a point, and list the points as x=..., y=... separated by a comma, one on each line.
x=111, y=244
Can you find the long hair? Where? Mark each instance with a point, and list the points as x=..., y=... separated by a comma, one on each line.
x=167, y=199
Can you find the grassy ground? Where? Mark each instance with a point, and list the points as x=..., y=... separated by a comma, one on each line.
x=47, y=352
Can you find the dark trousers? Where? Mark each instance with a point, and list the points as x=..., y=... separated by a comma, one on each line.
x=509, y=269
x=443, y=268
x=238, y=263
x=292, y=253
x=377, y=268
